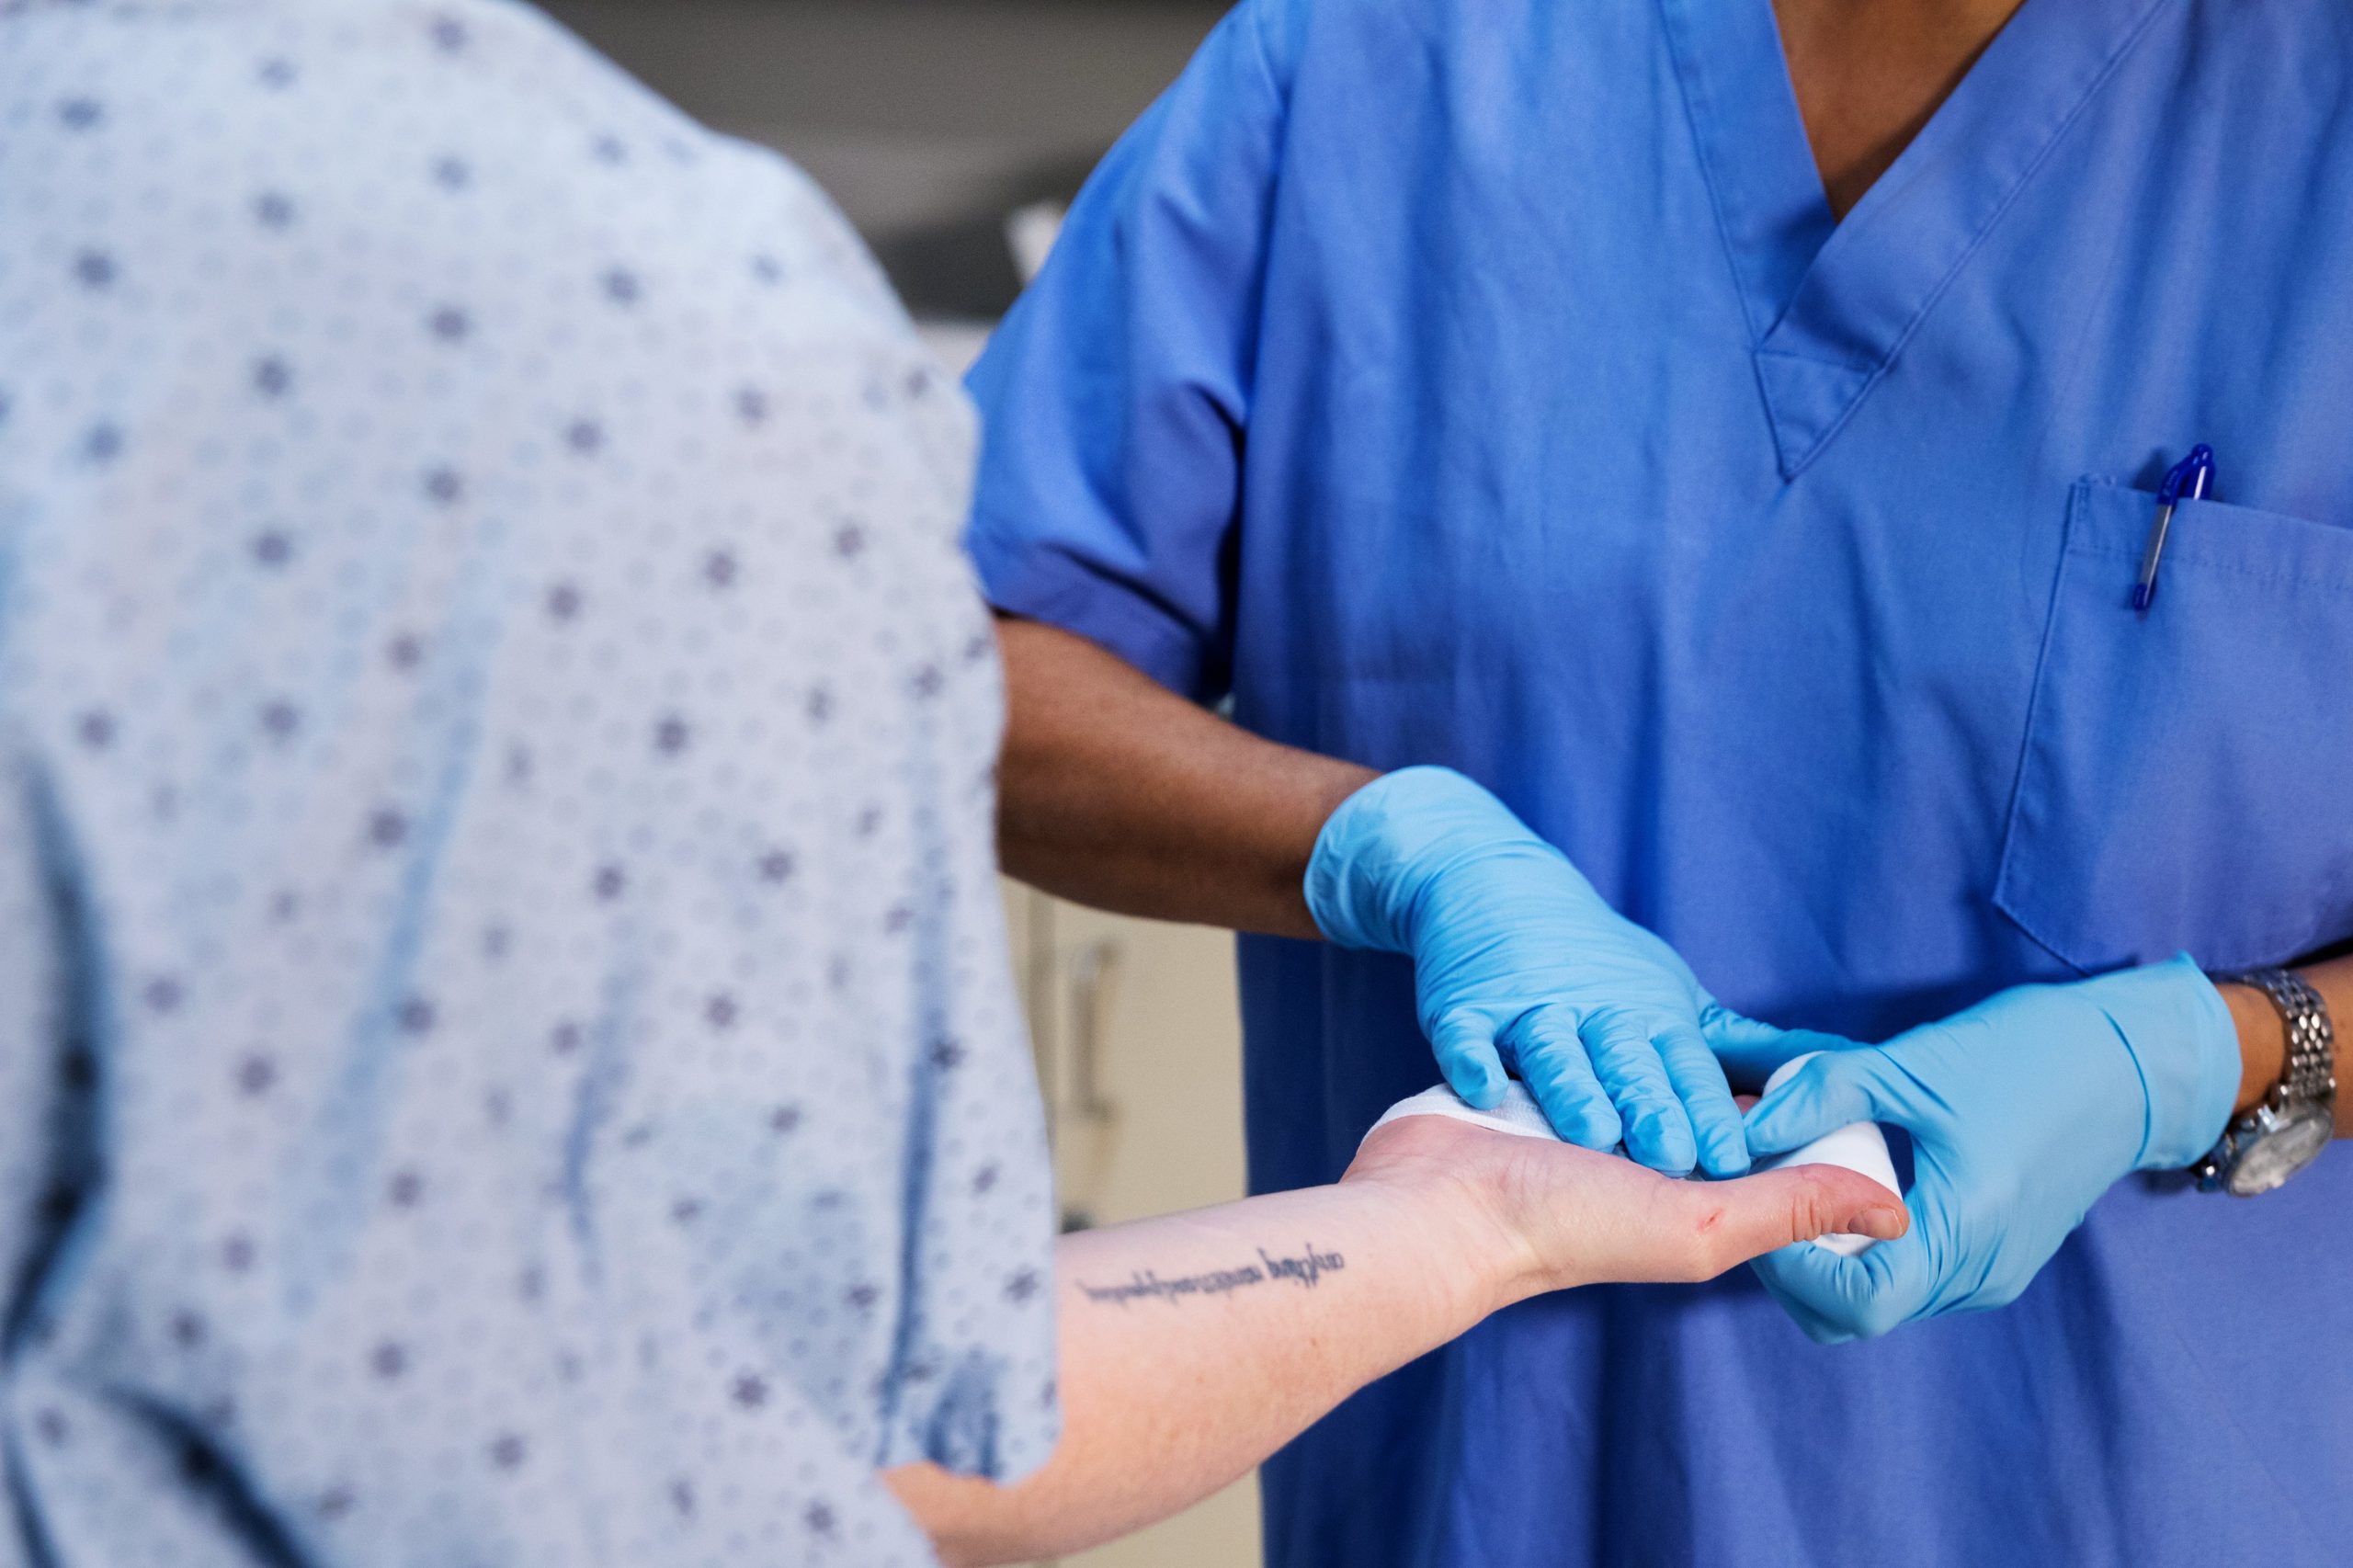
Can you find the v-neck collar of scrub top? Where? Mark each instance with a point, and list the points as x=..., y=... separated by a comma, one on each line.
x=1830, y=303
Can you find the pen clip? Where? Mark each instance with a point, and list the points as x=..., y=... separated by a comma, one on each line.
x=2188, y=480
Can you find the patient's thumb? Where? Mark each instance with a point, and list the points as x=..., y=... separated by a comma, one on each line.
x=1758, y=1214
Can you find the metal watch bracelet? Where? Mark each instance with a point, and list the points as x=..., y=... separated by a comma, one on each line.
x=2307, y=1077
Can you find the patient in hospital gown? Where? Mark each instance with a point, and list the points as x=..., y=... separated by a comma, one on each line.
x=506, y=1053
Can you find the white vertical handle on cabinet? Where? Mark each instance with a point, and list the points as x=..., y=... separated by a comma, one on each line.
x=1088, y=1132
x=1094, y=990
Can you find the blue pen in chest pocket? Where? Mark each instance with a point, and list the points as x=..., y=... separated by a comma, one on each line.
x=2188, y=480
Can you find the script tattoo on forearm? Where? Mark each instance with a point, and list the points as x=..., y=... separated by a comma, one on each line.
x=1305, y=1270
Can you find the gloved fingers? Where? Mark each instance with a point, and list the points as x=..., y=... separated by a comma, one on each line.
x=1835, y=1299
x=1825, y=1094
x=1749, y=1049
x=1465, y=1046
x=1658, y=1132
x=1700, y=1083
x=1544, y=1042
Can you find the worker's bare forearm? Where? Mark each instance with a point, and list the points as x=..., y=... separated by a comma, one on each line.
x=2263, y=1039
x=1193, y=1346
x=1118, y=793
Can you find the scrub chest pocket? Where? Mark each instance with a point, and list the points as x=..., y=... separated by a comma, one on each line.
x=2187, y=782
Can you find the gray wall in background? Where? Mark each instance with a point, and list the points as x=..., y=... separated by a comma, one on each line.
x=916, y=114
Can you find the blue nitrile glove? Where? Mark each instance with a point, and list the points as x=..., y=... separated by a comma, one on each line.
x=2022, y=1111
x=1519, y=964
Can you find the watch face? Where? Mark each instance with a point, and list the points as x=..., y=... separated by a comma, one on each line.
x=2285, y=1144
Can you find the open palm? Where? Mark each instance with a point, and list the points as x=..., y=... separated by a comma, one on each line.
x=1573, y=1216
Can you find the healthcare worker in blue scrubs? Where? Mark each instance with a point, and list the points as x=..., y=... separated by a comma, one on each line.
x=1663, y=487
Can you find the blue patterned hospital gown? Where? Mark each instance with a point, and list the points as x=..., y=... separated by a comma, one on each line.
x=506, y=1051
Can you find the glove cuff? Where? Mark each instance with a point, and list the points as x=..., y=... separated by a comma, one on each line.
x=1384, y=843
x=2180, y=1034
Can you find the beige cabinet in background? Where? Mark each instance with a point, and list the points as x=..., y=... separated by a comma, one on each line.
x=1138, y=1037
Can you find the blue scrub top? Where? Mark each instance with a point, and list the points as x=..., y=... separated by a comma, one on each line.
x=1486, y=382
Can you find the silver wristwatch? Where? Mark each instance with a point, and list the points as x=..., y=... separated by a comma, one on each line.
x=2288, y=1130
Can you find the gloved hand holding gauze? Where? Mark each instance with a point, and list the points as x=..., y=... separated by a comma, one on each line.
x=2022, y=1111
x=1522, y=970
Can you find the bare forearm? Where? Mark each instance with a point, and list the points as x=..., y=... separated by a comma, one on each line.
x=1118, y=793
x=2263, y=1039
x=1195, y=1346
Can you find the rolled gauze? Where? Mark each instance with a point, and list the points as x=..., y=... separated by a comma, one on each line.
x=1859, y=1146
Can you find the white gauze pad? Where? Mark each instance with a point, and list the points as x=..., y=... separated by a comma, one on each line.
x=1519, y=1113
